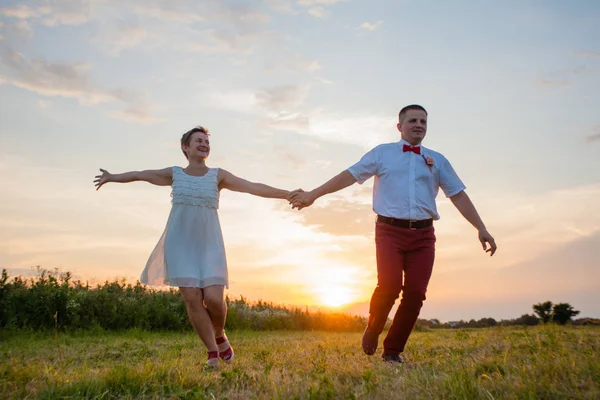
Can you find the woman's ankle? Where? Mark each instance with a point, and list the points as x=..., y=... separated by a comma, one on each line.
x=212, y=354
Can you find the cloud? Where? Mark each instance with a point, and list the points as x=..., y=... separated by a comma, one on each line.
x=340, y=218
x=242, y=101
x=227, y=41
x=212, y=27
x=366, y=130
x=178, y=12
x=243, y=17
x=276, y=107
x=521, y=226
x=318, y=12
x=22, y=11
x=283, y=6
x=67, y=12
x=124, y=37
x=20, y=28
x=553, y=83
x=316, y=9
x=534, y=249
x=55, y=13
x=43, y=103
x=282, y=99
x=240, y=28
x=68, y=80
x=52, y=79
x=284, y=108
x=522, y=284
x=594, y=137
x=565, y=77
x=293, y=63
x=371, y=26
x=235, y=27
x=287, y=157
x=313, y=2
x=288, y=122
x=588, y=54
x=323, y=80
x=137, y=114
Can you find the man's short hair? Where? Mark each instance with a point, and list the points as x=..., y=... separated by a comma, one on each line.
x=402, y=113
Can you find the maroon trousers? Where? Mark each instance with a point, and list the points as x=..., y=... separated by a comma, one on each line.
x=404, y=263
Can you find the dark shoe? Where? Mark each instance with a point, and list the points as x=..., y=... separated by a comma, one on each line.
x=369, y=342
x=392, y=358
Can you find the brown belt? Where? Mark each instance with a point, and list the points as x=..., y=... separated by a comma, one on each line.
x=406, y=223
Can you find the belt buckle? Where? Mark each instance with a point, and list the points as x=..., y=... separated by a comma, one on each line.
x=410, y=225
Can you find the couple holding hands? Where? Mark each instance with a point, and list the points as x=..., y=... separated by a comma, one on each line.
x=190, y=253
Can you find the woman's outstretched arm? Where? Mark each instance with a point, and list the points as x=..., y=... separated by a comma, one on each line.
x=160, y=177
x=229, y=181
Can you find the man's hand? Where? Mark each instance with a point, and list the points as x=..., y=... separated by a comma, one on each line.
x=485, y=238
x=300, y=199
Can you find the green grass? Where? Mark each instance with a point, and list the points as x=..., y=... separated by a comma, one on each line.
x=548, y=362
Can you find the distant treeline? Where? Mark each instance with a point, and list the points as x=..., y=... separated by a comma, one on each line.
x=523, y=320
x=544, y=313
x=54, y=301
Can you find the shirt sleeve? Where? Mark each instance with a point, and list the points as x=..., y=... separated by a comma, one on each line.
x=449, y=180
x=366, y=167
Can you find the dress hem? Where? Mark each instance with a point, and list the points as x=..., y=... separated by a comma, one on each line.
x=190, y=282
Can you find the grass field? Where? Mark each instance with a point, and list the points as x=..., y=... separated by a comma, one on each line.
x=548, y=362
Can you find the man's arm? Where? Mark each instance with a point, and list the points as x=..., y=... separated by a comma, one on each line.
x=301, y=199
x=464, y=204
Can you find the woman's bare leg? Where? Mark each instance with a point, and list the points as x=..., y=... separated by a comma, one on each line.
x=199, y=317
x=217, y=309
x=214, y=301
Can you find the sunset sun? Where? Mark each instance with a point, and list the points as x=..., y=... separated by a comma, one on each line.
x=336, y=296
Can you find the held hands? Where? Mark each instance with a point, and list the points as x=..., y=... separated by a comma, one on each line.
x=102, y=179
x=300, y=199
x=484, y=238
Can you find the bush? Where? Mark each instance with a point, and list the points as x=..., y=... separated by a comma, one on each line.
x=52, y=300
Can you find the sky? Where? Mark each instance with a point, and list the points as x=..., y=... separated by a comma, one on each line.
x=294, y=92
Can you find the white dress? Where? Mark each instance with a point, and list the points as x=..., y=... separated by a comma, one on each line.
x=190, y=252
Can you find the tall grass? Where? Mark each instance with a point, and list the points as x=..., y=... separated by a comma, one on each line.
x=542, y=362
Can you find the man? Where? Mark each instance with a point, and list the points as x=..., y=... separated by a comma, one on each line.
x=407, y=179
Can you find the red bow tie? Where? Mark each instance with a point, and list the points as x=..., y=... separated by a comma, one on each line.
x=414, y=149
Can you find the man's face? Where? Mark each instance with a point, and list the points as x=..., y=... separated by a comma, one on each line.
x=414, y=126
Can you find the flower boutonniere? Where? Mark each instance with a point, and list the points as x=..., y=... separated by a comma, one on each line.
x=428, y=160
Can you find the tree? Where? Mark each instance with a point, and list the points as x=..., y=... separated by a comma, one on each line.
x=487, y=322
x=563, y=312
x=543, y=311
x=527, y=319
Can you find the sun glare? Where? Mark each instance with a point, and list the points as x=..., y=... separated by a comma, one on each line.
x=336, y=296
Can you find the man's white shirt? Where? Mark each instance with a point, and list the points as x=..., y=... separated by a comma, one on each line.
x=405, y=185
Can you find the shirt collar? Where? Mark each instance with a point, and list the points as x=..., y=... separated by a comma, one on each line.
x=403, y=142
